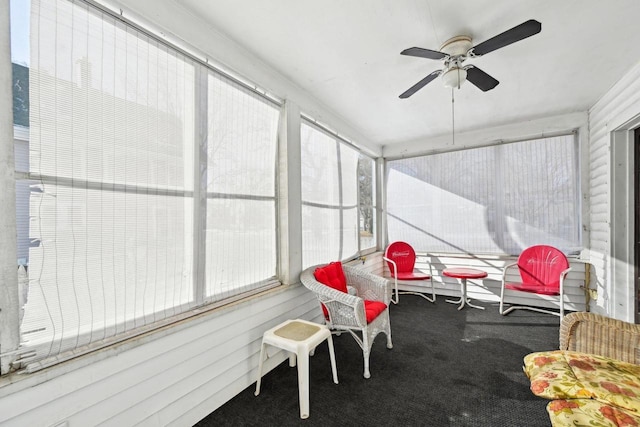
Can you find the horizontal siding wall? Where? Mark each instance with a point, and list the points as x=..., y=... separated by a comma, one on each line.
x=487, y=289
x=617, y=107
x=174, y=380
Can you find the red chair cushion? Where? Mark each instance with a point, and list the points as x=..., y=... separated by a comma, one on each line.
x=373, y=309
x=332, y=275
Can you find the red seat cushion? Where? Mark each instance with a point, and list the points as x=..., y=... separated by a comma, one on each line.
x=536, y=289
x=373, y=309
x=332, y=275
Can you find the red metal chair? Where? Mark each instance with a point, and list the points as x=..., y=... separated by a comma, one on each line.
x=542, y=271
x=401, y=259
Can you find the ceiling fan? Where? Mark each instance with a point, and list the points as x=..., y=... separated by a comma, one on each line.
x=458, y=49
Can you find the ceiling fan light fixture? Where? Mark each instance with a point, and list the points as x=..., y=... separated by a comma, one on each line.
x=454, y=77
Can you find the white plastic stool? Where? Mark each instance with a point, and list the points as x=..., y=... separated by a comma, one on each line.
x=299, y=338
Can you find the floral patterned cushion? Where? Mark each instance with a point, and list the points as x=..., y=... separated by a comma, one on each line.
x=551, y=376
x=589, y=412
x=572, y=375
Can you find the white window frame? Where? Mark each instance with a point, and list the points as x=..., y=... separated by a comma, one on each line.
x=9, y=333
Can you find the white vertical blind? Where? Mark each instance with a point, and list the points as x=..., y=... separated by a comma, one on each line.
x=349, y=174
x=497, y=199
x=112, y=126
x=120, y=123
x=549, y=210
x=241, y=163
x=367, y=202
x=329, y=197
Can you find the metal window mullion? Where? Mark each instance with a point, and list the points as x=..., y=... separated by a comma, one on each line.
x=380, y=198
x=577, y=165
x=200, y=185
x=358, y=206
x=340, y=200
x=499, y=196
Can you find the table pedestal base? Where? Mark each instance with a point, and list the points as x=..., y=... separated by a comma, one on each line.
x=464, y=300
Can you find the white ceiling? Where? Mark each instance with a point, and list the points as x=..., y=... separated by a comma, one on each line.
x=346, y=53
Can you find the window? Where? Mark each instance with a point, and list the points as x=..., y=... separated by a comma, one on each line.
x=241, y=176
x=151, y=184
x=330, y=228
x=367, y=202
x=497, y=199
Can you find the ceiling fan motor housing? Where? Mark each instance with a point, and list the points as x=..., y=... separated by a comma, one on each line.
x=457, y=46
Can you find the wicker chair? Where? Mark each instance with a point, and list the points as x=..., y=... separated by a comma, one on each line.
x=595, y=334
x=345, y=312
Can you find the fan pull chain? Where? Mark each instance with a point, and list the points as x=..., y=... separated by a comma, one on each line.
x=453, y=121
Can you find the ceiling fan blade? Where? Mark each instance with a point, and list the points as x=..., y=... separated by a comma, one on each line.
x=482, y=80
x=422, y=83
x=424, y=53
x=517, y=33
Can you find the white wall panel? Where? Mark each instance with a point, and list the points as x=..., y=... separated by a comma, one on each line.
x=614, y=111
x=179, y=378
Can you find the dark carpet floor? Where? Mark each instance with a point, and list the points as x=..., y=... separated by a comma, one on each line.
x=446, y=368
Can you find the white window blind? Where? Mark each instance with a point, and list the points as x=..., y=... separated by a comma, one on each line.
x=241, y=192
x=329, y=197
x=117, y=207
x=499, y=199
x=367, y=202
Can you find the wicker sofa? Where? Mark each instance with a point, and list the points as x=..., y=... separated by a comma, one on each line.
x=603, y=336
x=594, y=378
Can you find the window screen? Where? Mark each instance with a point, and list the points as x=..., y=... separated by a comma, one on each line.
x=499, y=199
x=151, y=183
x=329, y=197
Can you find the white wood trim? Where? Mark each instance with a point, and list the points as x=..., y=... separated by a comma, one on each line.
x=289, y=194
x=9, y=333
x=530, y=129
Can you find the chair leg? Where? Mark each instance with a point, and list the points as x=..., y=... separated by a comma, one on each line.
x=433, y=291
x=332, y=355
x=292, y=359
x=397, y=294
x=257, y=392
x=303, y=384
x=366, y=350
x=387, y=332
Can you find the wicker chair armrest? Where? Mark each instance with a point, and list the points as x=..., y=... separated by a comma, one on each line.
x=595, y=334
x=344, y=309
x=370, y=286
